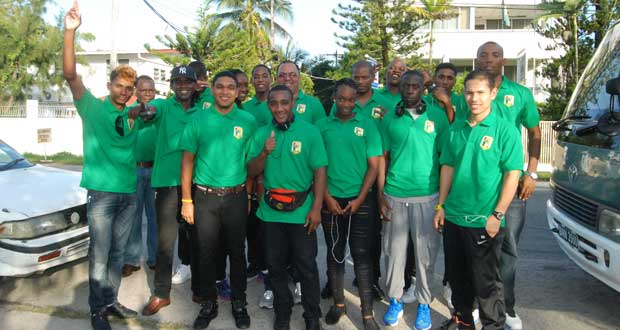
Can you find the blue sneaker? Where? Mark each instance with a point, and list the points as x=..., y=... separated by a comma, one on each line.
x=393, y=313
x=223, y=289
x=423, y=319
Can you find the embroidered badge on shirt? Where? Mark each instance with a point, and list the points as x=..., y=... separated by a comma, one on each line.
x=296, y=147
x=301, y=108
x=486, y=142
x=509, y=100
x=238, y=132
x=376, y=113
x=359, y=131
x=429, y=126
x=130, y=123
x=206, y=105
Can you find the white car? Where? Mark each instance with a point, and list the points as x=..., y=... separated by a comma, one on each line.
x=42, y=216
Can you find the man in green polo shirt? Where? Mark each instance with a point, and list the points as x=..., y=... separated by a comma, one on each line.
x=306, y=107
x=205, y=96
x=413, y=136
x=481, y=163
x=443, y=96
x=291, y=155
x=257, y=105
x=215, y=148
x=515, y=104
x=353, y=146
x=109, y=175
x=393, y=72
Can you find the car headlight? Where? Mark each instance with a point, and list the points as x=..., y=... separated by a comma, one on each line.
x=609, y=223
x=42, y=225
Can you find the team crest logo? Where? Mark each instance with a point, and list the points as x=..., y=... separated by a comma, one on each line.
x=486, y=142
x=296, y=147
x=509, y=100
x=238, y=132
x=429, y=126
x=301, y=108
x=359, y=131
x=130, y=123
x=206, y=105
x=376, y=113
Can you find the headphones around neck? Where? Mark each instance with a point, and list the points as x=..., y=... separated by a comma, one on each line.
x=400, y=108
x=283, y=126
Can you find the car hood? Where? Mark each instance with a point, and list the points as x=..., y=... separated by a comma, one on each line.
x=38, y=190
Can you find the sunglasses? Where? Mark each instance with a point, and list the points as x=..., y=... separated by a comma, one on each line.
x=119, y=126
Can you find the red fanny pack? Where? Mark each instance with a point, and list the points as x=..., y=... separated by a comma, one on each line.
x=285, y=200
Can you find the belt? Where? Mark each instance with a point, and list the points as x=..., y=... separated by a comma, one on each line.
x=145, y=164
x=222, y=191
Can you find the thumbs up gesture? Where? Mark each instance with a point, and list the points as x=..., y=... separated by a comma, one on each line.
x=270, y=144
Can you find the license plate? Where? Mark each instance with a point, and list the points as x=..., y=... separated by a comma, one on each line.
x=568, y=236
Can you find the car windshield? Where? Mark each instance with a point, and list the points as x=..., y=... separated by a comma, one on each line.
x=590, y=97
x=11, y=159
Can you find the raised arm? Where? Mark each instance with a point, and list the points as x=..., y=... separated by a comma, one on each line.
x=73, y=20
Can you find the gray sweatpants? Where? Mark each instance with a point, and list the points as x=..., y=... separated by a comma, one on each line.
x=413, y=215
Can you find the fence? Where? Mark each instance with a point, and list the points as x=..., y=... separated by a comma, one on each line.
x=57, y=110
x=547, y=137
x=15, y=110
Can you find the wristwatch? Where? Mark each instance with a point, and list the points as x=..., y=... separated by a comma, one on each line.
x=532, y=175
x=499, y=215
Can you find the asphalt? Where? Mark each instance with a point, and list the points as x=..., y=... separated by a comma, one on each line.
x=553, y=293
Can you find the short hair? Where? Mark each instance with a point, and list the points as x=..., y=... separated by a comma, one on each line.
x=490, y=43
x=199, y=68
x=124, y=71
x=144, y=77
x=238, y=71
x=446, y=65
x=261, y=66
x=361, y=64
x=414, y=73
x=481, y=75
x=280, y=88
x=288, y=61
x=225, y=73
x=348, y=82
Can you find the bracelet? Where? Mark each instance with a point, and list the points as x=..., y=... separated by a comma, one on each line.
x=438, y=207
x=188, y=201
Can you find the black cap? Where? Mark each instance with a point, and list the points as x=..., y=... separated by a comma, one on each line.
x=183, y=71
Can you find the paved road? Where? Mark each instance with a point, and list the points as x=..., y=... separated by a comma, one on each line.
x=553, y=294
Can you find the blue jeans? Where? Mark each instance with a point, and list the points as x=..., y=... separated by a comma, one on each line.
x=145, y=195
x=110, y=218
x=515, y=221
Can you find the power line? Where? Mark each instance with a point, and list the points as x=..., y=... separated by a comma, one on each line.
x=174, y=27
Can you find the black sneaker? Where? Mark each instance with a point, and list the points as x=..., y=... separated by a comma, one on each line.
x=99, y=321
x=327, y=291
x=251, y=272
x=313, y=324
x=456, y=323
x=354, y=282
x=121, y=311
x=282, y=322
x=334, y=314
x=208, y=311
x=240, y=314
x=370, y=324
x=377, y=292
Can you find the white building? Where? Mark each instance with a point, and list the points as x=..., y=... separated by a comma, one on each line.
x=478, y=21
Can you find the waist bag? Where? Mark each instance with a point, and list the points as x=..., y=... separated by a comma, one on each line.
x=285, y=200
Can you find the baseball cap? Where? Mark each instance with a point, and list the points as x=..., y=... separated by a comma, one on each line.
x=183, y=71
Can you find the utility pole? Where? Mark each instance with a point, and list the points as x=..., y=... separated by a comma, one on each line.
x=113, y=58
x=273, y=27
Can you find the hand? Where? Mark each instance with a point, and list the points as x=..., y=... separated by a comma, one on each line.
x=441, y=94
x=73, y=19
x=313, y=219
x=353, y=206
x=439, y=219
x=384, y=208
x=270, y=144
x=382, y=112
x=202, y=84
x=187, y=212
x=492, y=226
x=134, y=112
x=528, y=185
x=332, y=205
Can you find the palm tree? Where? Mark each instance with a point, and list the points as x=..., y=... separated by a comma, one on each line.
x=432, y=11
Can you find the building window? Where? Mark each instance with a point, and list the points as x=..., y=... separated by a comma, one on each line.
x=155, y=74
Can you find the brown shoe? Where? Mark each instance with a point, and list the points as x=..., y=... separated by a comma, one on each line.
x=154, y=305
x=129, y=269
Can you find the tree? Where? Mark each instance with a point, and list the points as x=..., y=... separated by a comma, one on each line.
x=432, y=11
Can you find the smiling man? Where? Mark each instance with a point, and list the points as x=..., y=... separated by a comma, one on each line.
x=305, y=107
x=215, y=148
x=393, y=72
x=257, y=105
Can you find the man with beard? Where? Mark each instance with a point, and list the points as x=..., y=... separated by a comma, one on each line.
x=306, y=107
x=515, y=104
x=391, y=89
x=215, y=148
x=257, y=105
x=443, y=96
x=413, y=137
x=291, y=155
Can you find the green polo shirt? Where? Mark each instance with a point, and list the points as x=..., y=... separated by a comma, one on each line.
x=414, y=147
x=206, y=98
x=480, y=156
x=298, y=153
x=458, y=103
x=515, y=104
x=308, y=108
x=109, y=158
x=371, y=109
x=145, y=146
x=259, y=110
x=349, y=145
x=220, y=143
x=386, y=94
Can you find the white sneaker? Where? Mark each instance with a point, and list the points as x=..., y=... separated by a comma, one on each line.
x=409, y=295
x=476, y=315
x=447, y=295
x=297, y=294
x=182, y=275
x=513, y=323
x=267, y=300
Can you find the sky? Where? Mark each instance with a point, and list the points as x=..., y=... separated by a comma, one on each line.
x=311, y=28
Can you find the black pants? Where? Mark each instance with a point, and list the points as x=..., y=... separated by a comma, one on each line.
x=472, y=269
x=281, y=242
x=336, y=230
x=375, y=239
x=167, y=207
x=255, y=250
x=221, y=218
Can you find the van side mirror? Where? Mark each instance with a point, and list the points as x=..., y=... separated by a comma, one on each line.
x=613, y=86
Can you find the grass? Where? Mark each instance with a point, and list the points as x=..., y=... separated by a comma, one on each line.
x=60, y=158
